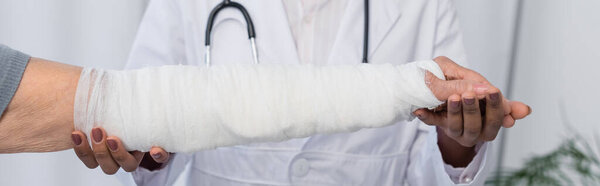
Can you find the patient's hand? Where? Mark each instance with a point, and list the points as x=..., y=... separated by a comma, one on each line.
x=110, y=154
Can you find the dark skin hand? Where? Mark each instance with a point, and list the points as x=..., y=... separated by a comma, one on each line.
x=470, y=118
x=460, y=123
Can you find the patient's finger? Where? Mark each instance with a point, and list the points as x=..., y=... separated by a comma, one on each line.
x=442, y=89
x=103, y=156
x=429, y=117
x=128, y=161
x=83, y=150
x=453, y=71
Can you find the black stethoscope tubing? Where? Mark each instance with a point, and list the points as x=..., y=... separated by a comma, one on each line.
x=252, y=33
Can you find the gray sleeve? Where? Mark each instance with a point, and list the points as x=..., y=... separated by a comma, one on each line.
x=12, y=66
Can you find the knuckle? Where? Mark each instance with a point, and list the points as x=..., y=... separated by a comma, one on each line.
x=473, y=132
x=454, y=111
x=430, y=78
x=494, y=122
x=455, y=128
x=494, y=103
x=102, y=155
x=82, y=153
x=471, y=110
x=119, y=158
x=456, y=87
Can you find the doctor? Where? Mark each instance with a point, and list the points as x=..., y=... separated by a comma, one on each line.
x=312, y=32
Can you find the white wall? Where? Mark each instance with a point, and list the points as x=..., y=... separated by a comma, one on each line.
x=557, y=57
x=81, y=32
x=487, y=27
x=558, y=61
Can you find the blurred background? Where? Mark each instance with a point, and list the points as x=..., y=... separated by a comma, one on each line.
x=543, y=52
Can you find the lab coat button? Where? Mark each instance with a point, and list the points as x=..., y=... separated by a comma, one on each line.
x=300, y=167
x=467, y=180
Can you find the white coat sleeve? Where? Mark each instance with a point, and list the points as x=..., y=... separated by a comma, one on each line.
x=166, y=176
x=427, y=166
x=159, y=41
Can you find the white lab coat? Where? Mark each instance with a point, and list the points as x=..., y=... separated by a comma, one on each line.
x=406, y=153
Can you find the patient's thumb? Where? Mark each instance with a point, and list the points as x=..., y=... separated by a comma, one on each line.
x=442, y=89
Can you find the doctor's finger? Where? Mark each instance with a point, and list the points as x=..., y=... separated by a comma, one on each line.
x=430, y=118
x=455, y=117
x=83, y=150
x=494, y=115
x=128, y=161
x=508, y=121
x=471, y=117
x=519, y=110
x=159, y=155
x=101, y=152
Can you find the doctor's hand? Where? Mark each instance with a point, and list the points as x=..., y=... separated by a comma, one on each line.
x=475, y=109
x=110, y=154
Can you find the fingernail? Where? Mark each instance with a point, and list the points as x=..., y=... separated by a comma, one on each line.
x=529, y=110
x=480, y=88
x=495, y=96
x=469, y=101
x=97, y=134
x=156, y=155
x=76, y=139
x=112, y=145
x=453, y=104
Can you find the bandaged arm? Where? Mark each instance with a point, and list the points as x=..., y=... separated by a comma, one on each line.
x=184, y=108
x=189, y=108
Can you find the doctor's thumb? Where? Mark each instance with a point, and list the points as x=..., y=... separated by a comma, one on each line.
x=442, y=89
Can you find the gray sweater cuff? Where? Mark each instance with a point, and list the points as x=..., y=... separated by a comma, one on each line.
x=12, y=66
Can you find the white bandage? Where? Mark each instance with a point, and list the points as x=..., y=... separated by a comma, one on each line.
x=189, y=108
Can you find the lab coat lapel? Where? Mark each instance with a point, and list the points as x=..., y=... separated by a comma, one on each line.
x=348, y=45
x=273, y=33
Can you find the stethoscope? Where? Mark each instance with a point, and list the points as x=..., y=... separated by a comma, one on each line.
x=252, y=33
